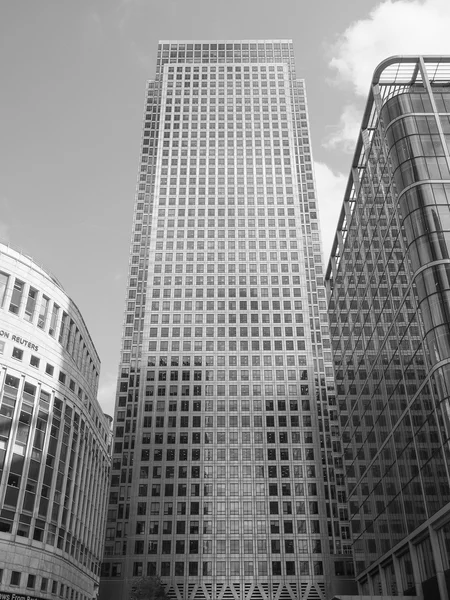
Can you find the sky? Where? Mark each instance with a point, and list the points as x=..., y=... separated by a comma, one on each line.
x=72, y=89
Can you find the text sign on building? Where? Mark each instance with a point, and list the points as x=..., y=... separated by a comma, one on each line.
x=14, y=596
x=23, y=342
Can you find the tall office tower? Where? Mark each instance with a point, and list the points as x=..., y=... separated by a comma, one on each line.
x=226, y=477
x=389, y=285
x=55, y=441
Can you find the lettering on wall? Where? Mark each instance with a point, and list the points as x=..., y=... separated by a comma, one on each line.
x=10, y=596
x=23, y=342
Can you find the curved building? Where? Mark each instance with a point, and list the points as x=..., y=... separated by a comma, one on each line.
x=54, y=440
x=389, y=286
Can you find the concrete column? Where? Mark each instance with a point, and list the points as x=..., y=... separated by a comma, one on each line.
x=438, y=562
x=372, y=590
x=416, y=569
x=384, y=589
x=398, y=574
x=370, y=584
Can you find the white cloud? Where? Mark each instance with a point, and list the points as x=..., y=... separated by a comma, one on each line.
x=4, y=226
x=346, y=132
x=393, y=27
x=145, y=61
x=4, y=233
x=107, y=392
x=330, y=193
x=124, y=10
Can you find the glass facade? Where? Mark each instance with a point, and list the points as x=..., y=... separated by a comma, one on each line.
x=388, y=283
x=227, y=475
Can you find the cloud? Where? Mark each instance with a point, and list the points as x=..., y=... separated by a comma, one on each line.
x=94, y=29
x=4, y=226
x=330, y=193
x=146, y=61
x=94, y=17
x=107, y=392
x=4, y=232
x=125, y=11
x=393, y=27
x=346, y=132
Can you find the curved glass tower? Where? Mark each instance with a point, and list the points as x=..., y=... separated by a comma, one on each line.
x=227, y=480
x=389, y=284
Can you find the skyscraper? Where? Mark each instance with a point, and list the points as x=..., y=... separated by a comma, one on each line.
x=226, y=478
x=388, y=281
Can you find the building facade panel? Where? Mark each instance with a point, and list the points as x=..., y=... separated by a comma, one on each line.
x=54, y=439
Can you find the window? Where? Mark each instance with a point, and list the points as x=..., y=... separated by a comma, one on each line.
x=318, y=567
x=276, y=568
x=15, y=577
x=17, y=353
x=16, y=298
x=303, y=567
x=53, y=320
x=31, y=304
x=3, y=285
x=290, y=567
x=31, y=582
x=43, y=312
x=63, y=329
